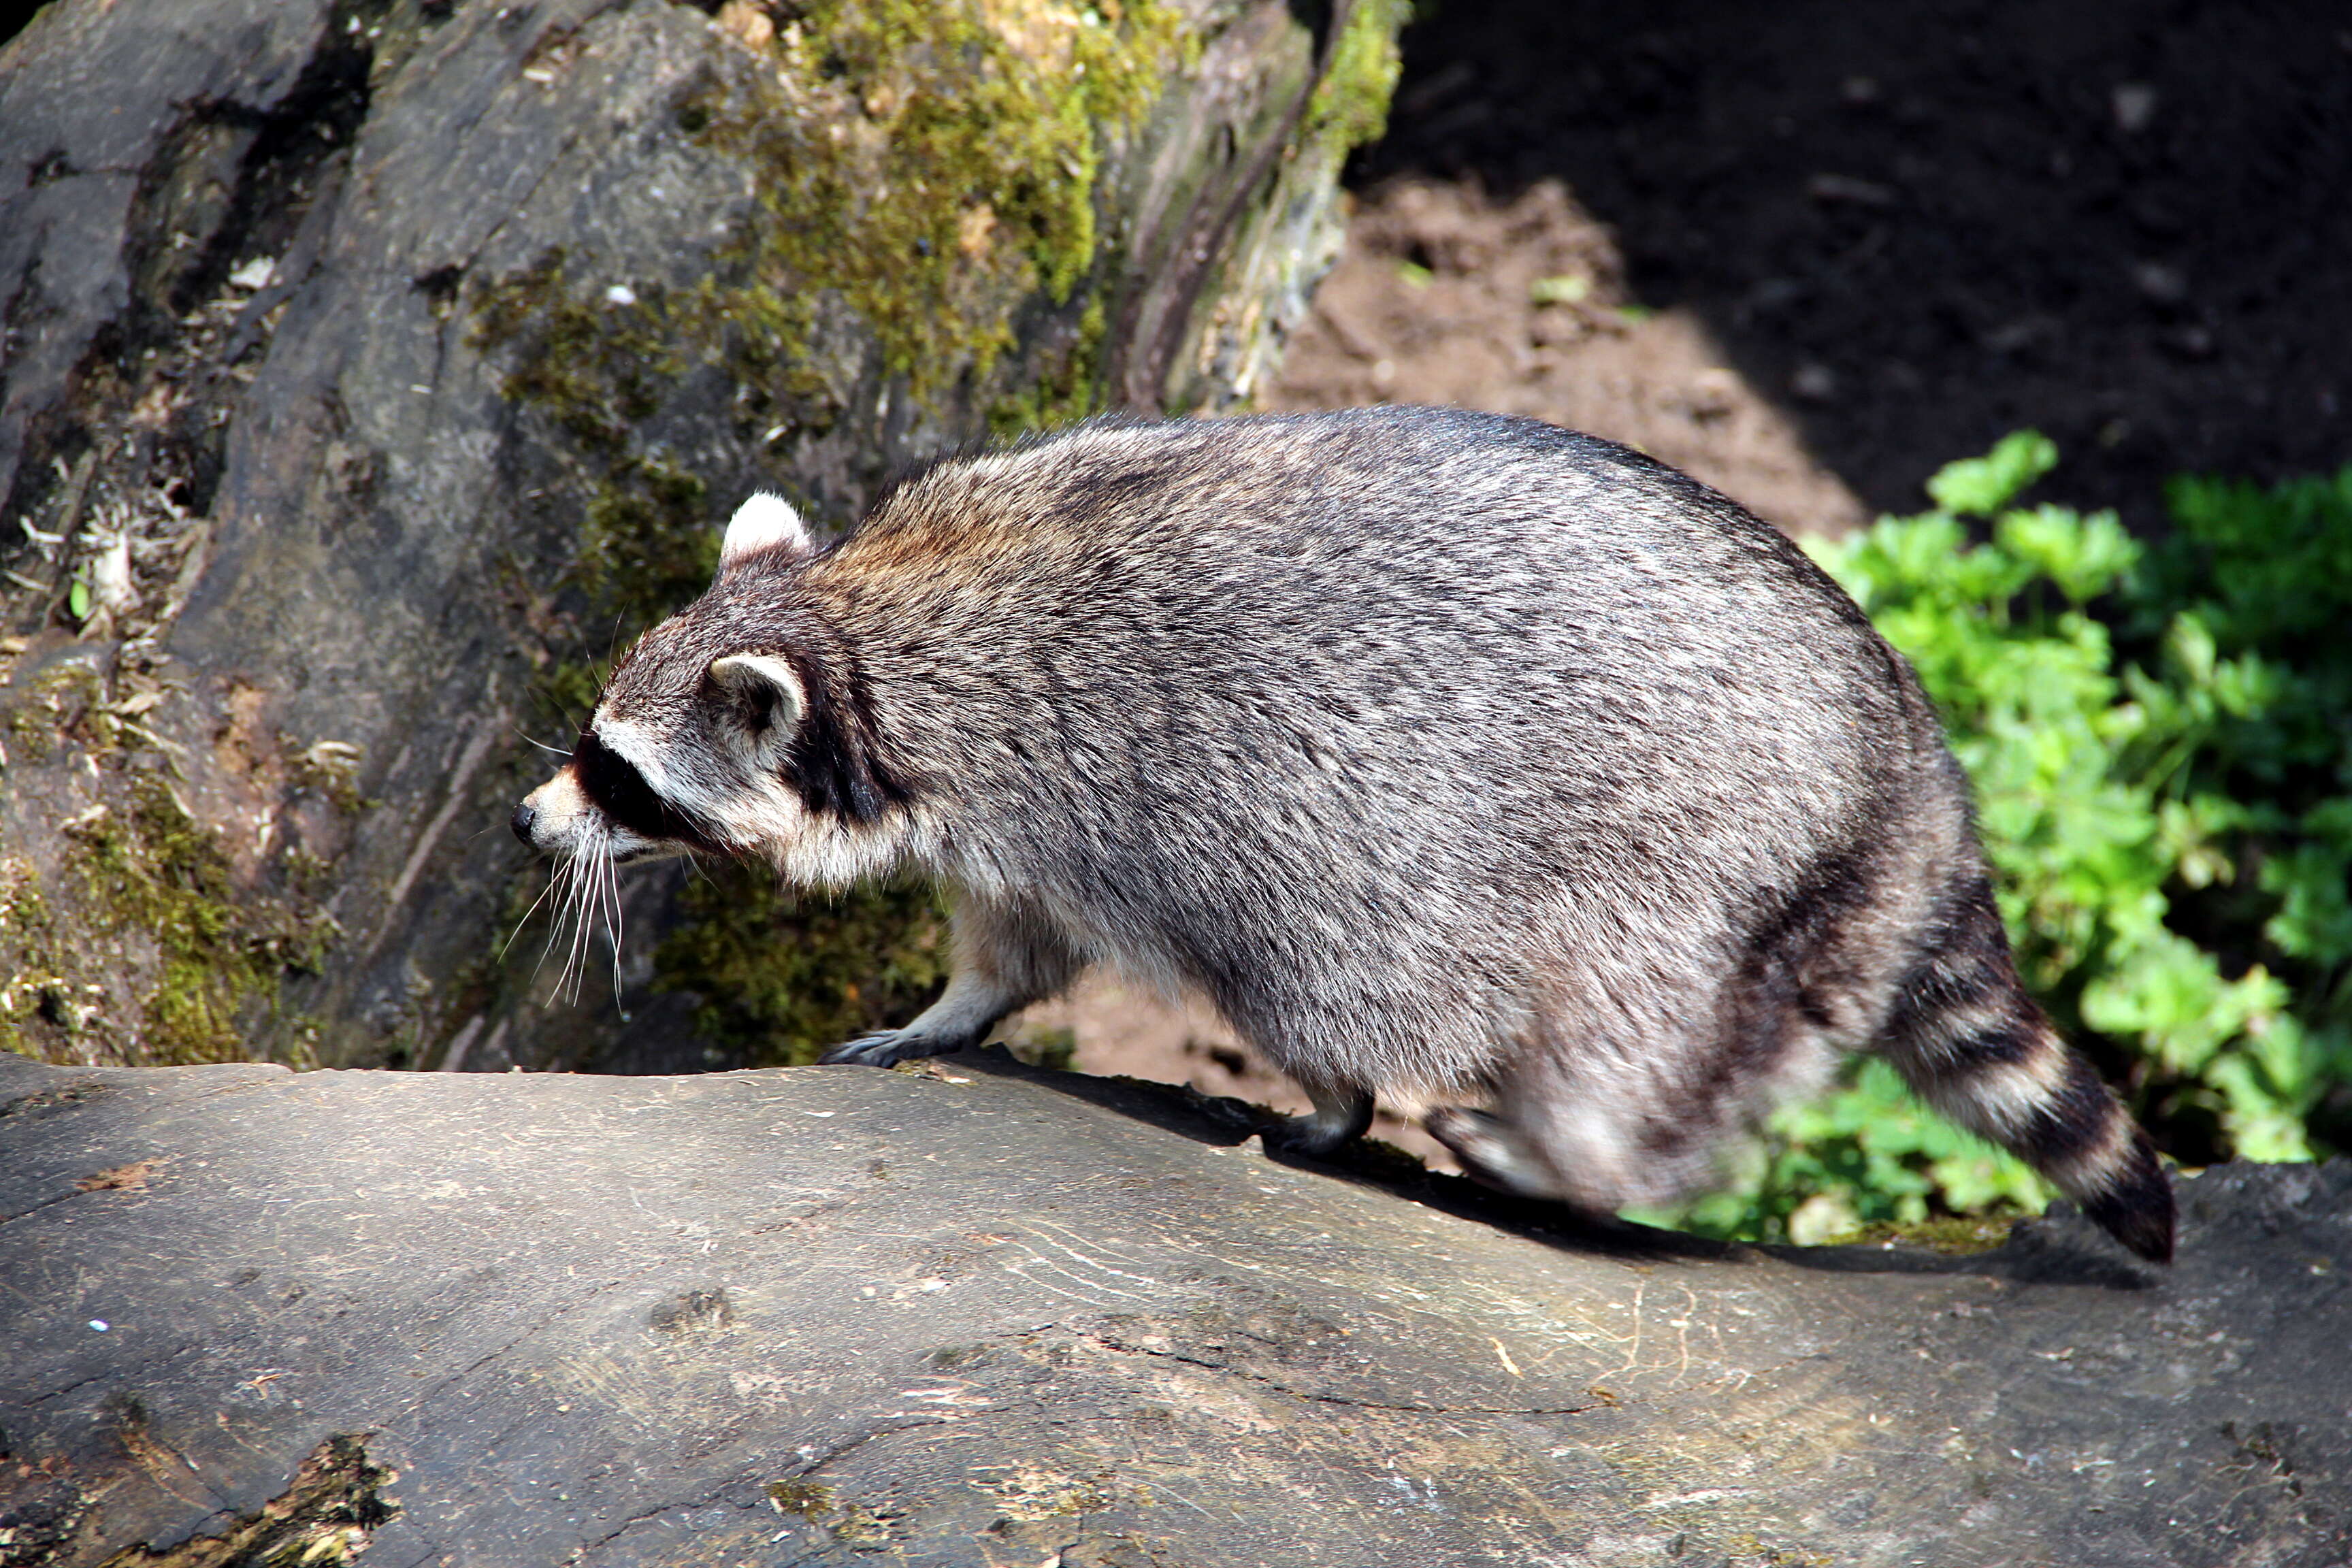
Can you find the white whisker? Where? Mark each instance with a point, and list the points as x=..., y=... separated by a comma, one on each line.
x=559, y=884
x=526, y=918
x=575, y=951
x=614, y=923
x=599, y=915
x=567, y=919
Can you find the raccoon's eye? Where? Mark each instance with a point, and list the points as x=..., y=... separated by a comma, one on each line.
x=621, y=793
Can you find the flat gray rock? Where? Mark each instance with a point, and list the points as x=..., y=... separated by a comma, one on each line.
x=986, y=1315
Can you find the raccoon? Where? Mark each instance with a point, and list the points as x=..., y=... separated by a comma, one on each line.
x=1457, y=759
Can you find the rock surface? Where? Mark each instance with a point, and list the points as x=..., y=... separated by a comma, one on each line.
x=981, y=1314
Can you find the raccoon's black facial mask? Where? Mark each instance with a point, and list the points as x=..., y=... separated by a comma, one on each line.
x=618, y=790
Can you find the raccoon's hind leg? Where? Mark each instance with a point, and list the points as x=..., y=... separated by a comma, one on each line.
x=1972, y=1043
x=1595, y=1141
x=1495, y=1153
x=1007, y=956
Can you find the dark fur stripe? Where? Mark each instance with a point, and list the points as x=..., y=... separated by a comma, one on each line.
x=2137, y=1209
x=2014, y=1039
x=1791, y=935
x=1965, y=969
x=1964, y=962
x=621, y=793
x=833, y=763
x=2070, y=1122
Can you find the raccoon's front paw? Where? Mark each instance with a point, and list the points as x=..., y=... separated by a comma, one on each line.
x=886, y=1046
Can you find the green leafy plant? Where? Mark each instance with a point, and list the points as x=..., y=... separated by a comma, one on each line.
x=2161, y=740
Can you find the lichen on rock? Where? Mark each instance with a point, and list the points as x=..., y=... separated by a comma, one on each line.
x=152, y=906
x=932, y=165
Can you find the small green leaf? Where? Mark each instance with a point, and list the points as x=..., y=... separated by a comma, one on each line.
x=77, y=599
x=1979, y=487
x=2083, y=555
x=1569, y=289
x=2189, y=648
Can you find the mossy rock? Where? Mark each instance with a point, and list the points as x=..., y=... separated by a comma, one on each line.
x=418, y=367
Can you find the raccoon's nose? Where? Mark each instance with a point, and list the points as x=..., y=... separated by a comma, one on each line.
x=525, y=816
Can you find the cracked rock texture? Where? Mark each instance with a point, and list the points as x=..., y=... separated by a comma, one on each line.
x=983, y=1314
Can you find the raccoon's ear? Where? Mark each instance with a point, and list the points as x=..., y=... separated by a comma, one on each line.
x=764, y=522
x=763, y=701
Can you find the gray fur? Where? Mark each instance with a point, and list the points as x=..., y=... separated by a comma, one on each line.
x=1450, y=757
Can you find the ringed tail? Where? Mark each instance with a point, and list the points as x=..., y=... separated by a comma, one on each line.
x=1968, y=1039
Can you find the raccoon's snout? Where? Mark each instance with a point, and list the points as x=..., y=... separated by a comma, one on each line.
x=569, y=818
x=551, y=817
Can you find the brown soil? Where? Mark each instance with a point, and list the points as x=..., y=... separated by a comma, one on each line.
x=1446, y=295
x=1809, y=252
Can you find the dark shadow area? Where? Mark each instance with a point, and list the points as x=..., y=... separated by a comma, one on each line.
x=2067, y=1253
x=1927, y=223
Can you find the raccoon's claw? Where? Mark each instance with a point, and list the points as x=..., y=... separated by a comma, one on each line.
x=1308, y=1135
x=1338, y=1120
x=885, y=1047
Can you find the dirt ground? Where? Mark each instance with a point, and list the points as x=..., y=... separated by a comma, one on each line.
x=1807, y=252
x=1445, y=294
x=1918, y=225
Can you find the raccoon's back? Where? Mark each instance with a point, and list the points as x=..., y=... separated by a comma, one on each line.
x=1406, y=628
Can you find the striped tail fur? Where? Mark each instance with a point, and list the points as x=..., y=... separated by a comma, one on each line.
x=1968, y=1039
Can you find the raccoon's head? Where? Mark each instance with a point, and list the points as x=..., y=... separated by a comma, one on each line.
x=696, y=742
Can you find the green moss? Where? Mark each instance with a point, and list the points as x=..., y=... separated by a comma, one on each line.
x=597, y=368
x=1957, y=1234
x=863, y=1529
x=153, y=871
x=37, y=986
x=31, y=739
x=855, y=1525
x=648, y=546
x=781, y=975
x=329, y=770
x=1350, y=105
x=1065, y=389
x=810, y=1500
x=931, y=167
x=934, y=165
x=65, y=703
x=1054, y=1050
x=597, y=371
x=142, y=908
